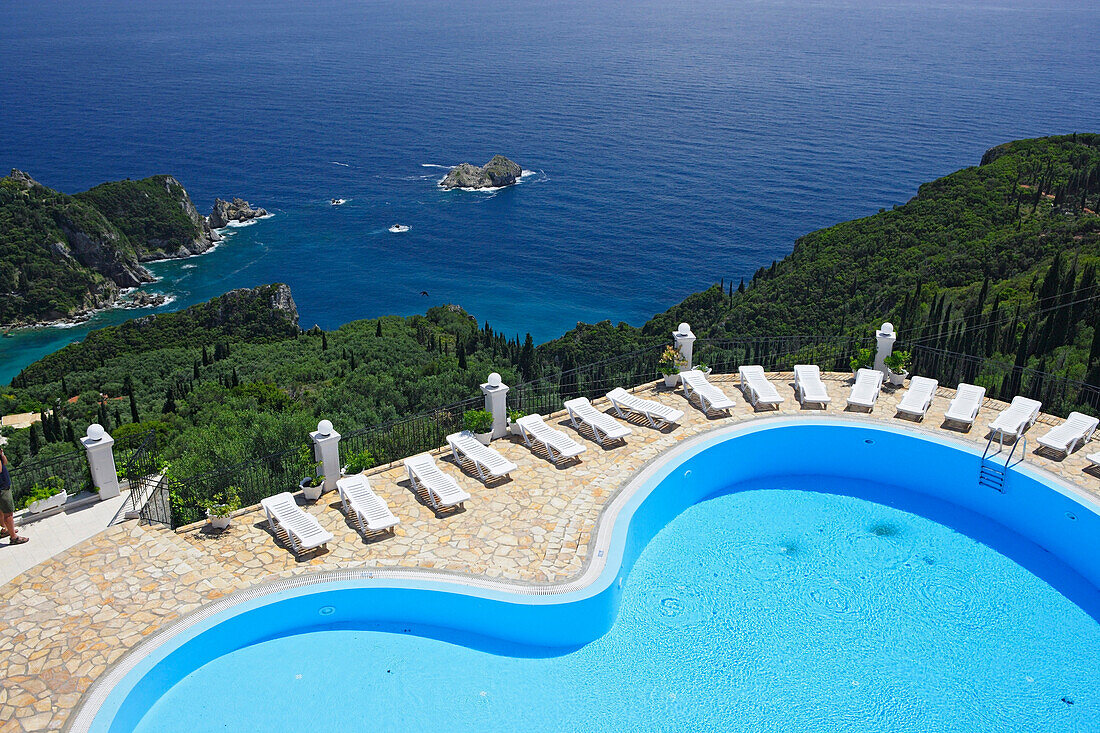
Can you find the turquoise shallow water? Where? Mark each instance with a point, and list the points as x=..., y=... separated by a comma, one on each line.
x=674, y=144
x=775, y=609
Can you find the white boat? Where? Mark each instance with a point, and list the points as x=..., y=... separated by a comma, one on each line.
x=399, y=228
x=337, y=202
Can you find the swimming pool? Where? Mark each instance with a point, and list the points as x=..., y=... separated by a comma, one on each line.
x=790, y=575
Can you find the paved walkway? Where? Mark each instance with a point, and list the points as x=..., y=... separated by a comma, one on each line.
x=53, y=534
x=65, y=623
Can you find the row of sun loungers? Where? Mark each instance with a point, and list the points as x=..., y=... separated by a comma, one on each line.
x=440, y=491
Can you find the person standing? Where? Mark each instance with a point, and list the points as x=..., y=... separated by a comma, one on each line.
x=7, y=502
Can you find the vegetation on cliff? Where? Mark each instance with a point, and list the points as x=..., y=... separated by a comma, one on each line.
x=62, y=256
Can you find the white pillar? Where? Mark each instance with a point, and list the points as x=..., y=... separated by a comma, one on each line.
x=101, y=461
x=326, y=449
x=885, y=337
x=685, y=342
x=496, y=404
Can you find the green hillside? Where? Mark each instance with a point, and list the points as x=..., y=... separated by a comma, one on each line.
x=62, y=255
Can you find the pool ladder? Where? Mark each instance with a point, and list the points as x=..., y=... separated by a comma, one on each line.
x=992, y=472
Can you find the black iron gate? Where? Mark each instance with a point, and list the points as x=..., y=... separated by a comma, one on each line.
x=138, y=467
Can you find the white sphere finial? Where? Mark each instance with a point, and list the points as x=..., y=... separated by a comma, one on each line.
x=324, y=427
x=494, y=380
x=96, y=431
x=887, y=328
x=684, y=328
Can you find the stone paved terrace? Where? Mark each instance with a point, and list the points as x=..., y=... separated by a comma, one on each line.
x=65, y=621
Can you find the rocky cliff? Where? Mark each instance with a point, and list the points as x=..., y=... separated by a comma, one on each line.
x=237, y=210
x=62, y=257
x=496, y=173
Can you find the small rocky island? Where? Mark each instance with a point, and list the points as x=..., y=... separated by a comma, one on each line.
x=496, y=173
x=238, y=210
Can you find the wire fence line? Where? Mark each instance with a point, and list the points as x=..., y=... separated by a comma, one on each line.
x=1002, y=380
x=178, y=501
x=68, y=472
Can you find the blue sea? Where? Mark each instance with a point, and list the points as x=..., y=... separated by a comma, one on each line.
x=669, y=144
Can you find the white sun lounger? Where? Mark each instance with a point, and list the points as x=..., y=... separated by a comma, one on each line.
x=604, y=427
x=302, y=529
x=487, y=462
x=362, y=504
x=918, y=398
x=1076, y=430
x=808, y=386
x=710, y=397
x=1094, y=459
x=964, y=408
x=440, y=490
x=1016, y=418
x=656, y=413
x=558, y=444
x=866, y=389
x=756, y=387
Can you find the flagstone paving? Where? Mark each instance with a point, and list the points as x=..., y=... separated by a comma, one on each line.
x=65, y=621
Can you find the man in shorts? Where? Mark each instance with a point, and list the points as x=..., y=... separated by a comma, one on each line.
x=7, y=502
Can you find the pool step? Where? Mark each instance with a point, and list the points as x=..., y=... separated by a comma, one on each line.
x=992, y=475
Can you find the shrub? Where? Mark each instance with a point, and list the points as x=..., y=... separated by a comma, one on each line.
x=514, y=415
x=899, y=361
x=671, y=361
x=863, y=359
x=478, y=421
x=223, y=503
x=44, y=489
x=359, y=461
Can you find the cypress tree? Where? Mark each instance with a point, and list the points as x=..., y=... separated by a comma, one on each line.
x=236, y=381
x=36, y=443
x=47, y=427
x=353, y=361
x=64, y=387
x=195, y=370
x=70, y=434
x=133, y=409
x=324, y=341
x=55, y=419
x=741, y=286
x=461, y=356
x=378, y=328
x=205, y=357
x=102, y=417
x=169, y=403
x=527, y=357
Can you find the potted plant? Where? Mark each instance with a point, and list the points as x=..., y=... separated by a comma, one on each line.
x=513, y=416
x=358, y=462
x=863, y=359
x=47, y=495
x=219, y=509
x=313, y=484
x=480, y=423
x=702, y=366
x=898, y=363
x=670, y=364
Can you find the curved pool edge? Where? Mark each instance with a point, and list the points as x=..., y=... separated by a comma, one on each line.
x=606, y=563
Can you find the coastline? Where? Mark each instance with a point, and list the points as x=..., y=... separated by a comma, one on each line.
x=121, y=299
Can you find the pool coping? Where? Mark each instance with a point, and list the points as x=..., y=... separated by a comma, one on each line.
x=593, y=568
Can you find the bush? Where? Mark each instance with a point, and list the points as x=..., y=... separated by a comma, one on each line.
x=478, y=421
x=899, y=361
x=44, y=489
x=514, y=415
x=359, y=461
x=671, y=361
x=863, y=359
x=223, y=503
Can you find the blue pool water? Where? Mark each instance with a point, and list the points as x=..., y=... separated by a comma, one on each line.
x=862, y=581
x=674, y=143
x=772, y=609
